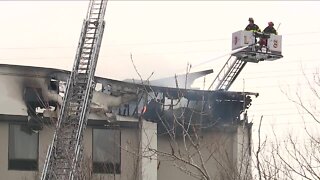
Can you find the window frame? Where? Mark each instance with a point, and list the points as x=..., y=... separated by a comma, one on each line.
x=22, y=164
x=106, y=167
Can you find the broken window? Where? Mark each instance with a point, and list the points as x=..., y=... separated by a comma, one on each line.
x=106, y=151
x=54, y=85
x=23, y=148
x=33, y=98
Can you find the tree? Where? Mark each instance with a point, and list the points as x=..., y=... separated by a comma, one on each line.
x=297, y=156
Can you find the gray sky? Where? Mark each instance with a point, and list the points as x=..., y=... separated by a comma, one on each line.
x=164, y=36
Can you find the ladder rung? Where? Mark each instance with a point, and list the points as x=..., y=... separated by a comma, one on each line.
x=93, y=24
x=74, y=110
x=79, y=82
x=86, y=51
x=82, y=76
x=82, y=81
x=83, y=63
x=79, y=88
x=88, y=47
x=85, y=58
x=91, y=34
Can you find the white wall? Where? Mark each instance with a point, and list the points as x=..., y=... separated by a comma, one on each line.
x=242, y=151
x=148, y=147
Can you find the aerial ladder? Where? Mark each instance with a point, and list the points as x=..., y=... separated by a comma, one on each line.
x=246, y=49
x=64, y=155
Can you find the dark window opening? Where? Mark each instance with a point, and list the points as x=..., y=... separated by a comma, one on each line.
x=23, y=164
x=108, y=168
x=54, y=85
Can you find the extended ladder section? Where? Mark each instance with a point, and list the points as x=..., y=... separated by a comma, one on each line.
x=64, y=156
x=228, y=73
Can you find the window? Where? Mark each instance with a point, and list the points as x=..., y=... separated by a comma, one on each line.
x=23, y=148
x=106, y=151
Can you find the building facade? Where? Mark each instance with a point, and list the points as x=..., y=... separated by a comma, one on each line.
x=176, y=144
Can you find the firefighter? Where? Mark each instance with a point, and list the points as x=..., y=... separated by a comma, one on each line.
x=252, y=26
x=270, y=29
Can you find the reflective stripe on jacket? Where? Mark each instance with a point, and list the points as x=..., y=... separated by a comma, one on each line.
x=253, y=27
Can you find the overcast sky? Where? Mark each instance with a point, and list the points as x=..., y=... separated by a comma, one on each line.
x=164, y=36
